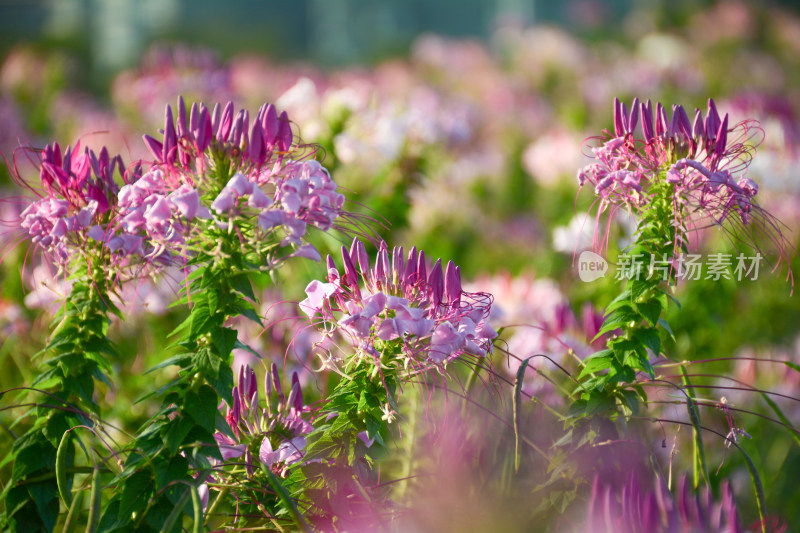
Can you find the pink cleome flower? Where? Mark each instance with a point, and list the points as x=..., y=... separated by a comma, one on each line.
x=397, y=301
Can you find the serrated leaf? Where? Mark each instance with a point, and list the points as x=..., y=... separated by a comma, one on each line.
x=596, y=362
x=241, y=284
x=649, y=338
x=650, y=310
x=135, y=493
x=617, y=319
x=224, y=339
x=202, y=407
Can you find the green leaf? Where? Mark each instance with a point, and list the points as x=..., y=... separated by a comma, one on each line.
x=649, y=338
x=596, y=362
x=241, y=284
x=663, y=323
x=202, y=407
x=650, y=310
x=174, y=360
x=224, y=339
x=135, y=493
x=618, y=319
x=177, y=431
x=619, y=301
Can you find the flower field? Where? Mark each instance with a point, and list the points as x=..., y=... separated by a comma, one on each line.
x=543, y=282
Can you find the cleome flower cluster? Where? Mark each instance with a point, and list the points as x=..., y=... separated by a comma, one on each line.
x=397, y=306
x=213, y=172
x=698, y=159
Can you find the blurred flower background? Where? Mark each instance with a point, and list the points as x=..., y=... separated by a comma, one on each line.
x=459, y=127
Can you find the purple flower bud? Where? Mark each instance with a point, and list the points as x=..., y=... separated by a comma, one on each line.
x=647, y=122
x=382, y=265
x=398, y=267
x=169, y=150
x=285, y=136
x=257, y=152
x=183, y=125
x=712, y=120
x=633, y=118
x=298, y=399
x=411, y=267
x=276, y=382
x=155, y=147
x=225, y=123
x=698, y=129
x=270, y=126
x=422, y=272
x=619, y=118
x=722, y=136
x=662, y=122
x=238, y=126
x=452, y=284
x=436, y=282
x=361, y=254
x=216, y=116
x=350, y=274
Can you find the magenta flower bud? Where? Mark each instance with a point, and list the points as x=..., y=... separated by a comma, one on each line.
x=238, y=127
x=256, y=151
x=216, y=117
x=382, y=264
x=662, y=122
x=436, y=282
x=647, y=121
x=155, y=147
x=298, y=399
x=410, y=275
x=242, y=384
x=204, y=130
x=183, y=125
x=698, y=129
x=712, y=120
x=633, y=118
x=276, y=382
x=422, y=269
x=361, y=254
x=225, y=123
x=619, y=118
x=169, y=150
x=333, y=272
x=398, y=267
x=681, y=124
x=722, y=136
x=350, y=274
x=452, y=283
x=270, y=126
x=194, y=119
x=244, y=136
x=285, y=136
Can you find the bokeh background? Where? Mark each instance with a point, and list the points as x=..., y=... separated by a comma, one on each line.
x=458, y=126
